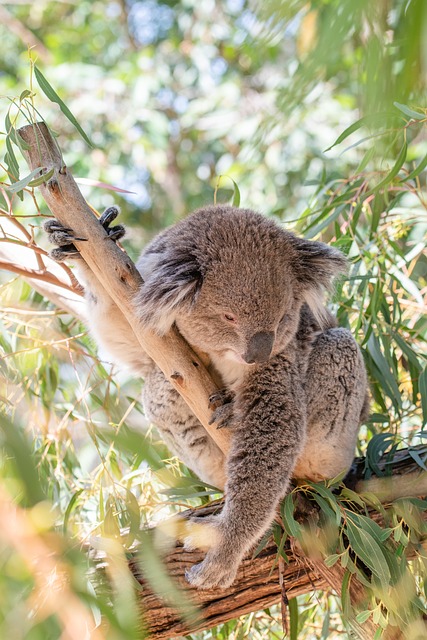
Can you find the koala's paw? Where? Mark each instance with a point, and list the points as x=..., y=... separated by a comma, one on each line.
x=223, y=409
x=216, y=570
x=64, y=237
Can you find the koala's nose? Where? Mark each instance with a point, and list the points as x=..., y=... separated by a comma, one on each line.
x=259, y=347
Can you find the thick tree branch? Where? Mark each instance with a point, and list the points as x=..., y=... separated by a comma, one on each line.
x=118, y=275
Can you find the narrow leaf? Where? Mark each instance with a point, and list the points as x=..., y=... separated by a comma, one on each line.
x=53, y=96
x=422, y=383
x=369, y=551
x=24, y=95
x=377, y=118
x=236, y=195
x=21, y=184
x=416, y=115
x=69, y=509
x=394, y=171
x=416, y=172
x=292, y=527
x=293, y=618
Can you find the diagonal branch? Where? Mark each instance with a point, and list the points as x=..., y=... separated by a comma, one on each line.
x=119, y=276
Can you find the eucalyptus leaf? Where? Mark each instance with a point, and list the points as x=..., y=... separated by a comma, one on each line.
x=416, y=115
x=50, y=93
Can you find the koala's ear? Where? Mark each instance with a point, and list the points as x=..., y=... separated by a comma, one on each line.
x=316, y=265
x=172, y=279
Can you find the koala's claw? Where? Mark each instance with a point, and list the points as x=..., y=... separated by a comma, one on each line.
x=222, y=396
x=67, y=252
x=211, y=573
x=222, y=404
x=108, y=216
x=115, y=233
x=118, y=231
x=63, y=237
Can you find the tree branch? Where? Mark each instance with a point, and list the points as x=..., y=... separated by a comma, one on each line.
x=119, y=276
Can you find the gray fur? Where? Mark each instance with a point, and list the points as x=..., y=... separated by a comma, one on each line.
x=242, y=289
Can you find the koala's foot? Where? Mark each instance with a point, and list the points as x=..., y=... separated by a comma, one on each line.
x=64, y=237
x=222, y=404
x=220, y=565
x=211, y=573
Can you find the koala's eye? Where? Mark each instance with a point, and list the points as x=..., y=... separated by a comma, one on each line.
x=230, y=318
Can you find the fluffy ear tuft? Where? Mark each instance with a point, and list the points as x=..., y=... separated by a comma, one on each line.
x=317, y=264
x=172, y=278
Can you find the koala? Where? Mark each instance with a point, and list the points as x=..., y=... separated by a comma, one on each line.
x=249, y=295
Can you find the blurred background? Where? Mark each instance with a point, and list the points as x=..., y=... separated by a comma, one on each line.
x=188, y=103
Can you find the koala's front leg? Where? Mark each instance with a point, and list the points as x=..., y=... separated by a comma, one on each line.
x=268, y=436
x=106, y=322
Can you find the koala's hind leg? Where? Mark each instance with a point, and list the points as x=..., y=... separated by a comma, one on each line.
x=336, y=391
x=182, y=432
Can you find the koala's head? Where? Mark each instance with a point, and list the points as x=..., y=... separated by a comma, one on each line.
x=234, y=282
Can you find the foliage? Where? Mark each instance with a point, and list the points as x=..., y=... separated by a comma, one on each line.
x=171, y=101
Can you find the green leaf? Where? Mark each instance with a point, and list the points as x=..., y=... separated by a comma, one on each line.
x=14, y=135
x=53, y=96
x=345, y=596
x=416, y=172
x=394, y=171
x=133, y=513
x=69, y=509
x=362, y=522
x=416, y=115
x=385, y=376
x=41, y=179
x=377, y=446
x=407, y=350
x=28, y=181
x=24, y=95
x=236, y=195
x=363, y=616
x=366, y=159
x=352, y=496
x=110, y=525
x=11, y=161
x=293, y=619
x=416, y=456
x=331, y=500
x=332, y=559
x=325, y=626
x=422, y=383
x=369, y=551
x=292, y=527
x=377, y=118
x=16, y=446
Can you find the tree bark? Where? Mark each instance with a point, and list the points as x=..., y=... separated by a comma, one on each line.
x=119, y=276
